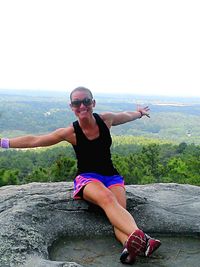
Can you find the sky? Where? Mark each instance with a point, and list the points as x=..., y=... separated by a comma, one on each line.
x=149, y=47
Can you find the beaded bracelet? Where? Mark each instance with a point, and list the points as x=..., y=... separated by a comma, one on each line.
x=4, y=143
x=140, y=114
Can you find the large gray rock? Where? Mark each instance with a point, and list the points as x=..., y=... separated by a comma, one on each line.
x=33, y=216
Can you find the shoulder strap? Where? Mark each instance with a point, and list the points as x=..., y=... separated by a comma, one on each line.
x=98, y=118
x=77, y=129
x=100, y=121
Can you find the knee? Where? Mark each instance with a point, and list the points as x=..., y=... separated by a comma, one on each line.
x=106, y=198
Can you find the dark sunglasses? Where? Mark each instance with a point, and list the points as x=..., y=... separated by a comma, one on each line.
x=77, y=103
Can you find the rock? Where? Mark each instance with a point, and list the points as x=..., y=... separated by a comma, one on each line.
x=34, y=215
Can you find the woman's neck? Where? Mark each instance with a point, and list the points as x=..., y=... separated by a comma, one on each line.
x=87, y=123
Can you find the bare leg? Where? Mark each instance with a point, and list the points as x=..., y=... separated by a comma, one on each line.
x=120, y=195
x=119, y=217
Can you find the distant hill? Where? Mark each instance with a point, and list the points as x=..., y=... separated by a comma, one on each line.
x=37, y=112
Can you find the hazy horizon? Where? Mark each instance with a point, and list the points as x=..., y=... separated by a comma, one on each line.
x=57, y=93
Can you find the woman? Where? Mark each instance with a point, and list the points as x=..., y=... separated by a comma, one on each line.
x=97, y=179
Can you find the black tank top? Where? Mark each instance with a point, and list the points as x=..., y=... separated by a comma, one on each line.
x=94, y=155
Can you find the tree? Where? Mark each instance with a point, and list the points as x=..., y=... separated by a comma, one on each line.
x=177, y=169
x=8, y=177
x=64, y=169
x=151, y=160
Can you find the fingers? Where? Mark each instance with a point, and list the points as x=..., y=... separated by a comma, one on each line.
x=146, y=108
x=143, y=108
x=144, y=111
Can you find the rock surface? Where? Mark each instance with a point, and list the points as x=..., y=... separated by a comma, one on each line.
x=35, y=215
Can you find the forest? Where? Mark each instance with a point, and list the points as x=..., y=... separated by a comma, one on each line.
x=139, y=160
x=164, y=148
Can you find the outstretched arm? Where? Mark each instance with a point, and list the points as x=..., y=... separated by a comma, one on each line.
x=112, y=119
x=30, y=141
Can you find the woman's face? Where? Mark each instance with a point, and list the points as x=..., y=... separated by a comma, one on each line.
x=82, y=104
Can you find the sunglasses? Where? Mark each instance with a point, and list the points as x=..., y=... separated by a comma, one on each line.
x=77, y=103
